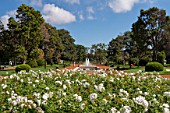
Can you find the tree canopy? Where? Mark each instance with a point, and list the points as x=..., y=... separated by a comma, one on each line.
x=28, y=34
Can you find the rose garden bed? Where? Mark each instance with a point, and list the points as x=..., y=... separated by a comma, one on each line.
x=69, y=91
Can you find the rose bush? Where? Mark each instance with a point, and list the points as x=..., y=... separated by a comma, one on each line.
x=70, y=91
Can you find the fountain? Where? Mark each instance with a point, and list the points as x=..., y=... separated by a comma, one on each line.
x=87, y=62
x=88, y=66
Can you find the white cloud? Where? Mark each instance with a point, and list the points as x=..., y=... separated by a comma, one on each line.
x=12, y=13
x=150, y=1
x=36, y=2
x=120, y=6
x=73, y=1
x=147, y=1
x=4, y=20
x=81, y=15
x=90, y=17
x=56, y=15
x=90, y=11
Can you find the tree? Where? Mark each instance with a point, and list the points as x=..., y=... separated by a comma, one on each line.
x=36, y=53
x=99, y=52
x=167, y=39
x=80, y=53
x=130, y=48
x=28, y=32
x=1, y=34
x=21, y=53
x=140, y=38
x=55, y=43
x=1, y=41
x=1, y=26
x=69, y=51
x=149, y=28
x=129, y=44
x=161, y=57
x=115, y=50
x=29, y=23
x=12, y=41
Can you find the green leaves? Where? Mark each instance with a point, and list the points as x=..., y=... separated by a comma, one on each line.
x=46, y=91
x=149, y=30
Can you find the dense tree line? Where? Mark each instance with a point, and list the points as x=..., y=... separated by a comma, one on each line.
x=29, y=39
x=148, y=39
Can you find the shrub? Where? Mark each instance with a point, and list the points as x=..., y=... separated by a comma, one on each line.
x=111, y=64
x=143, y=61
x=154, y=66
x=119, y=60
x=161, y=57
x=20, y=67
x=32, y=63
x=40, y=61
x=37, y=53
x=134, y=61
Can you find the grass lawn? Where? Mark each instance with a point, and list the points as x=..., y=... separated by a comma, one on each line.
x=137, y=68
x=164, y=72
x=6, y=72
x=42, y=68
x=125, y=68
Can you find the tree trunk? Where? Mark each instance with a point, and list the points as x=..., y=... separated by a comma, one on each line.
x=154, y=57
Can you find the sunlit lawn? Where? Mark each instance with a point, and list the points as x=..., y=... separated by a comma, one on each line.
x=42, y=68
x=135, y=69
x=6, y=72
x=125, y=68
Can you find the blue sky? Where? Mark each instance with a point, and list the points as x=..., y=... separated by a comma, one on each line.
x=89, y=21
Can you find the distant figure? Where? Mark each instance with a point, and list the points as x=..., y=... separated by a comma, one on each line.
x=74, y=64
x=10, y=63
